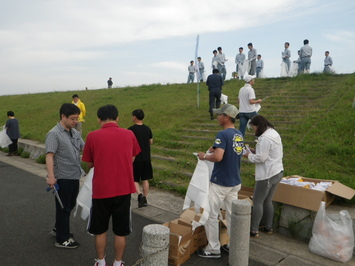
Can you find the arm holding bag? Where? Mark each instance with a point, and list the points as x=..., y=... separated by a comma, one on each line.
x=332, y=237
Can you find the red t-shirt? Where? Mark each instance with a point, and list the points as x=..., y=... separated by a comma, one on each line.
x=111, y=150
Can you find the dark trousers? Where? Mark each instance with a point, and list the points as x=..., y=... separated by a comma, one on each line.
x=68, y=191
x=13, y=146
x=215, y=99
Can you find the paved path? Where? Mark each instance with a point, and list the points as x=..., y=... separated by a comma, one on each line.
x=27, y=216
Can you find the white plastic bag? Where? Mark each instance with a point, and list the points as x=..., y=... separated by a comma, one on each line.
x=332, y=237
x=4, y=138
x=224, y=99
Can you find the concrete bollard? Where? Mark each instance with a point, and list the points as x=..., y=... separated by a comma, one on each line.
x=240, y=233
x=155, y=245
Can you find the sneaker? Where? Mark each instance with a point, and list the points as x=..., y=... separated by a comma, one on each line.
x=254, y=234
x=225, y=248
x=140, y=201
x=70, y=243
x=266, y=230
x=205, y=254
x=145, y=202
x=97, y=263
x=54, y=233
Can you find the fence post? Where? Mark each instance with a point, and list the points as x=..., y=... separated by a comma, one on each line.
x=239, y=233
x=155, y=245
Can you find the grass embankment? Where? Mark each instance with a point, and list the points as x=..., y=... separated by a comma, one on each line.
x=313, y=113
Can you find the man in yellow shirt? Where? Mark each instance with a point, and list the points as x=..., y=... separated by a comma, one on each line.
x=81, y=106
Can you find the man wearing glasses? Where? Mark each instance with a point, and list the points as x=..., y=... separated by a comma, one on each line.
x=63, y=147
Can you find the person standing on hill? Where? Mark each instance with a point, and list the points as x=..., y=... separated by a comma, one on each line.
x=247, y=103
x=81, y=106
x=201, y=68
x=306, y=54
x=267, y=157
x=214, y=83
x=63, y=147
x=214, y=60
x=252, y=58
x=259, y=67
x=142, y=165
x=286, y=54
x=221, y=60
x=328, y=62
x=239, y=61
x=191, y=69
x=109, y=83
x=111, y=151
x=225, y=182
x=13, y=131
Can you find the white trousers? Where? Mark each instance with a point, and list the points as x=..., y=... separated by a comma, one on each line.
x=217, y=196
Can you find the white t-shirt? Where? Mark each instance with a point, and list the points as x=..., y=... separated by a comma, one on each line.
x=246, y=93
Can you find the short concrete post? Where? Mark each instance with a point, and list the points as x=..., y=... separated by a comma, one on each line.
x=240, y=233
x=155, y=247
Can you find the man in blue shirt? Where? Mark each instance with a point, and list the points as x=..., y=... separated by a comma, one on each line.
x=226, y=154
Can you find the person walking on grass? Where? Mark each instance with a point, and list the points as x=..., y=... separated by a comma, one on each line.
x=63, y=147
x=226, y=153
x=111, y=151
x=81, y=106
x=247, y=103
x=13, y=131
x=214, y=83
x=267, y=157
x=142, y=165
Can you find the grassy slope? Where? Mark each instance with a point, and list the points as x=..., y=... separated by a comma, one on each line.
x=313, y=114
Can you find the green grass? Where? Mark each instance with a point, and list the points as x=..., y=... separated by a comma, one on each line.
x=313, y=113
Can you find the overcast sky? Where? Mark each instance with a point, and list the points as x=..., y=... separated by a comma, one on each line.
x=52, y=45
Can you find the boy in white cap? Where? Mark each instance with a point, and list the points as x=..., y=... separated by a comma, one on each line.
x=247, y=102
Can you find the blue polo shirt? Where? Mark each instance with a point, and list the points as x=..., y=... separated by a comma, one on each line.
x=227, y=172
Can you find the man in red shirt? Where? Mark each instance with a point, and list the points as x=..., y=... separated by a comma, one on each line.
x=111, y=151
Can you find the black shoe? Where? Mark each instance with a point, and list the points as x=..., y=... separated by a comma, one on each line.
x=70, y=243
x=145, y=202
x=254, y=234
x=205, y=254
x=225, y=248
x=266, y=230
x=140, y=201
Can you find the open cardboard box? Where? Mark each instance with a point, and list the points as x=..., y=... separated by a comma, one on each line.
x=180, y=238
x=198, y=236
x=308, y=198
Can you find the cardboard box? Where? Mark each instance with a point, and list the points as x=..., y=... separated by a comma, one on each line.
x=180, y=238
x=198, y=236
x=308, y=198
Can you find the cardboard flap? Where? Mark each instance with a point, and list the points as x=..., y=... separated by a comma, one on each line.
x=341, y=190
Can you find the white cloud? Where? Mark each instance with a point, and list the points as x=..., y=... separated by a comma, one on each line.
x=341, y=36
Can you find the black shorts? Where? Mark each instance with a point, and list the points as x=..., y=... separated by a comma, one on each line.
x=117, y=207
x=142, y=171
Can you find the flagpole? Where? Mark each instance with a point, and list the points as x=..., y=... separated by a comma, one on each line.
x=197, y=71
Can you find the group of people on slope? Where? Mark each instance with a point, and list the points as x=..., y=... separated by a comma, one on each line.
x=254, y=65
x=226, y=153
x=121, y=159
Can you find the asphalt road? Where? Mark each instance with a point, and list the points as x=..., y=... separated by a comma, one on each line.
x=27, y=217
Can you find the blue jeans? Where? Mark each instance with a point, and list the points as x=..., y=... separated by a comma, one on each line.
x=68, y=191
x=244, y=118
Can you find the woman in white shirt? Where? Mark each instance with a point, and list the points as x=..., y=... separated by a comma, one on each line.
x=267, y=157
